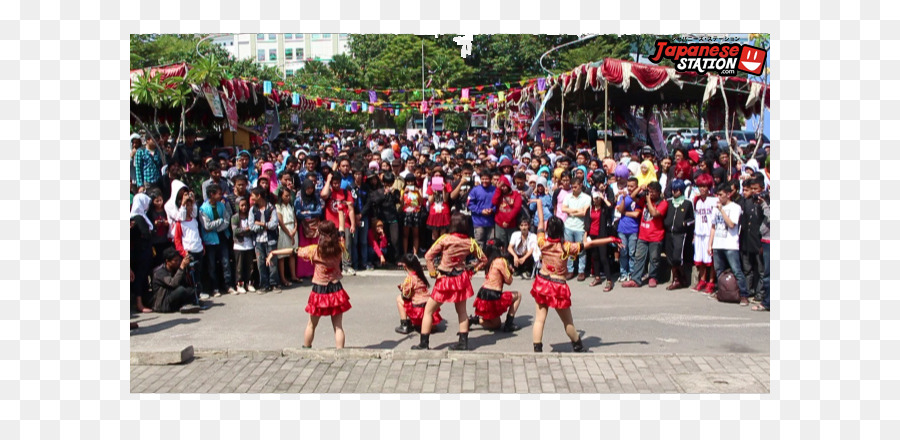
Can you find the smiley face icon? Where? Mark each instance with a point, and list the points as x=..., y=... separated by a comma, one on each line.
x=752, y=60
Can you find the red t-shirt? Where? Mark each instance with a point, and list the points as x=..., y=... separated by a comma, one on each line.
x=335, y=203
x=652, y=229
x=595, y=222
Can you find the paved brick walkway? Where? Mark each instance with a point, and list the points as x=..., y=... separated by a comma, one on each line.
x=374, y=371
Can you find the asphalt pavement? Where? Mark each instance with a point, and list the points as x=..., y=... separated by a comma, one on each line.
x=623, y=321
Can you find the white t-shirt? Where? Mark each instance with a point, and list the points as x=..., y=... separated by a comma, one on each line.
x=728, y=238
x=246, y=243
x=703, y=213
x=521, y=248
x=576, y=223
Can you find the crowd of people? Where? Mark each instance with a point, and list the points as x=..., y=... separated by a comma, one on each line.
x=207, y=220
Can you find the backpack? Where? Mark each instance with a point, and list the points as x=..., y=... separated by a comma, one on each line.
x=728, y=290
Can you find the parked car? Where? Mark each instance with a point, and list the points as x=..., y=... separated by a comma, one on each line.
x=743, y=137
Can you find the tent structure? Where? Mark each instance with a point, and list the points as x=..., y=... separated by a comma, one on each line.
x=611, y=83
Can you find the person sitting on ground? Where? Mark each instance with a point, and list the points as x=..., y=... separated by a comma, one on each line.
x=413, y=296
x=169, y=285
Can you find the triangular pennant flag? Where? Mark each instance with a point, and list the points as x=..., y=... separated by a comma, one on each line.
x=479, y=88
x=507, y=85
x=452, y=89
x=387, y=92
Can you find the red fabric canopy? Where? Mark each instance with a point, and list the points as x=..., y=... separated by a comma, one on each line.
x=179, y=69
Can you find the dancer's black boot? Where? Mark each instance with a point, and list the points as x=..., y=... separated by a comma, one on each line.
x=405, y=327
x=463, y=343
x=423, y=343
x=510, y=326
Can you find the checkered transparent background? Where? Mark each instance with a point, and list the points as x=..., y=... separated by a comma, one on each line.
x=64, y=345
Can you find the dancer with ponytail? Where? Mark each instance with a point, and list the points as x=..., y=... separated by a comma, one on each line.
x=550, y=289
x=328, y=297
x=491, y=303
x=454, y=280
x=413, y=297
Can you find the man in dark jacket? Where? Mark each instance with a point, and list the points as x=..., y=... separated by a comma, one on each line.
x=679, y=224
x=171, y=292
x=751, y=239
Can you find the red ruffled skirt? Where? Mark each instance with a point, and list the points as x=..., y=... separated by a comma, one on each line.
x=415, y=313
x=551, y=293
x=492, y=304
x=438, y=219
x=328, y=300
x=453, y=288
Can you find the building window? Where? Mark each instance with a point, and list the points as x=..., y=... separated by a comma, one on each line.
x=320, y=36
x=289, y=72
x=299, y=53
x=289, y=54
x=326, y=36
x=271, y=37
x=298, y=36
x=343, y=35
x=260, y=55
x=260, y=37
x=288, y=36
x=272, y=55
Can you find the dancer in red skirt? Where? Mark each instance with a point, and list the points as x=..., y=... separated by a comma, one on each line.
x=413, y=296
x=550, y=288
x=454, y=280
x=491, y=303
x=328, y=297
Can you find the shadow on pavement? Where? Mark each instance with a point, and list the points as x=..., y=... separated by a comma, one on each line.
x=412, y=338
x=164, y=325
x=589, y=343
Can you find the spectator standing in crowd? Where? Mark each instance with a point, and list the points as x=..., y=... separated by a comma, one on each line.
x=215, y=178
x=412, y=202
x=438, y=193
x=141, y=251
x=244, y=237
x=751, y=236
x=679, y=225
x=308, y=213
x=597, y=225
x=576, y=207
x=287, y=236
x=704, y=212
x=215, y=218
x=160, y=221
x=508, y=202
x=187, y=238
x=265, y=226
x=629, y=225
x=148, y=164
x=650, y=237
x=763, y=200
x=174, y=171
x=339, y=201
x=481, y=206
x=540, y=193
x=724, y=243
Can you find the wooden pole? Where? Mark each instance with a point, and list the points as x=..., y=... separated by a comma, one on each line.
x=605, y=118
x=562, y=125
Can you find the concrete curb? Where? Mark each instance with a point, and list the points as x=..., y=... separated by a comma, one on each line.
x=187, y=354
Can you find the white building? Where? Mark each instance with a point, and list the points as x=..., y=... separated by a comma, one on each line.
x=287, y=52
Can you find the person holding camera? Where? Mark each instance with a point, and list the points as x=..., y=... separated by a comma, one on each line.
x=171, y=293
x=650, y=236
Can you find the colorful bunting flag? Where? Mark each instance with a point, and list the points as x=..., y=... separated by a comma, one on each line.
x=465, y=93
x=267, y=88
x=372, y=96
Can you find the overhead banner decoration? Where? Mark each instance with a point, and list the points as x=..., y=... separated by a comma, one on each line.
x=272, y=123
x=295, y=99
x=230, y=112
x=365, y=107
x=465, y=93
x=372, y=96
x=212, y=97
x=502, y=96
x=267, y=88
x=479, y=120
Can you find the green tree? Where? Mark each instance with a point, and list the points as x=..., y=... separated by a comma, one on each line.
x=148, y=50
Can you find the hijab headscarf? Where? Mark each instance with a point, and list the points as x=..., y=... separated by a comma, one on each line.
x=622, y=173
x=139, y=208
x=251, y=168
x=545, y=168
x=649, y=176
x=585, y=171
x=308, y=198
x=634, y=168
x=610, y=166
x=273, y=178
x=172, y=211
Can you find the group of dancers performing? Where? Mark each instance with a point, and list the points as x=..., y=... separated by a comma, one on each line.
x=453, y=283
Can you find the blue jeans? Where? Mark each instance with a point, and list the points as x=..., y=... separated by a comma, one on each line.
x=626, y=256
x=575, y=237
x=645, y=249
x=358, y=245
x=724, y=259
x=268, y=275
x=765, y=276
x=217, y=255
